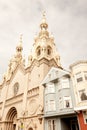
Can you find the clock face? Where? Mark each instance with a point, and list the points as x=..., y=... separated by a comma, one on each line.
x=16, y=87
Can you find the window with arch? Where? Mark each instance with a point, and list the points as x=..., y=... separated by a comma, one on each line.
x=38, y=51
x=16, y=88
x=49, y=50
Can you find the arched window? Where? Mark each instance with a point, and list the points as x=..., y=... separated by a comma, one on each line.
x=38, y=51
x=16, y=88
x=49, y=50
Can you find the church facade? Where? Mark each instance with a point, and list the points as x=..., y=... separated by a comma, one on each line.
x=21, y=98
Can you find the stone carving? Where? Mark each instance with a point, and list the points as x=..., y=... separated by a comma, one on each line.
x=32, y=106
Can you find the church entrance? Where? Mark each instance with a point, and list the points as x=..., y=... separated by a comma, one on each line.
x=30, y=128
x=11, y=119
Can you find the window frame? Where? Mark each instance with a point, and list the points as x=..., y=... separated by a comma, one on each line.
x=65, y=83
x=50, y=88
x=82, y=91
x=52, y=124
x=79, y=77
x=50, y=105
x=67, y=98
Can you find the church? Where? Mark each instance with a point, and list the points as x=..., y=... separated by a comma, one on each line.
x=42, y=95
x=21, y=91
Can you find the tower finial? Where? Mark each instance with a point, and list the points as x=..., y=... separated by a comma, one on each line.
x=44, y=13
x=44, y=24
x=21, y=35
x=19, y=47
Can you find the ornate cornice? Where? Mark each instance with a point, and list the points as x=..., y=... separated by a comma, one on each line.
x=14, y=99
x=77, y=63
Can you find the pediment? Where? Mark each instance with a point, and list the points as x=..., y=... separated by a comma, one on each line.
x=54, y=73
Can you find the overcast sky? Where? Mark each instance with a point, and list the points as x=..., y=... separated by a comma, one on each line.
x=67, y=20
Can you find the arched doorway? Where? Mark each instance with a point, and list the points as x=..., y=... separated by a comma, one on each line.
x=30, y=128
x=11, y=119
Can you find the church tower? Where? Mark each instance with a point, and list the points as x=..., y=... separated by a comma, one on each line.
x=16, y=60
x=44, y=46
x=44, y=56
x=44, y=53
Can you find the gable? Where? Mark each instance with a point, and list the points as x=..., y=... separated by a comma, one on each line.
x=54, y=73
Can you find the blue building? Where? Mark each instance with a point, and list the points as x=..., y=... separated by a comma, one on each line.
x=59, y=101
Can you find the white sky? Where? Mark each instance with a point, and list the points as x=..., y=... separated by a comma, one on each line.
x=67, y=20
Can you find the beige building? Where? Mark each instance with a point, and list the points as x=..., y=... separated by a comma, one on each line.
x=21, y=92
x=79, y=76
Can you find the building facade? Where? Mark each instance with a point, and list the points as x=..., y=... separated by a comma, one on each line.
x=41, y=95
x=79, y=77
x=59, y=101
x=21, y=97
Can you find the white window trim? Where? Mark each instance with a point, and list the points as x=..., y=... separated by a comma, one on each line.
x=50, y=88
x=79, y=75
x=50, y=106
x=65, y=83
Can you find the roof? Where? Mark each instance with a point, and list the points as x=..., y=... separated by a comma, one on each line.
x=77, y=63
x=54, y=74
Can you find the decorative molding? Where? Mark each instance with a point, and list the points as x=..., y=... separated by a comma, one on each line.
x=14, y=100
x=78, y=62
x=33, y=105
x=33, y=92
x=37, y=63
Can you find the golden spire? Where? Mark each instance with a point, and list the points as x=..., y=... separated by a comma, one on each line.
x=44, y=24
